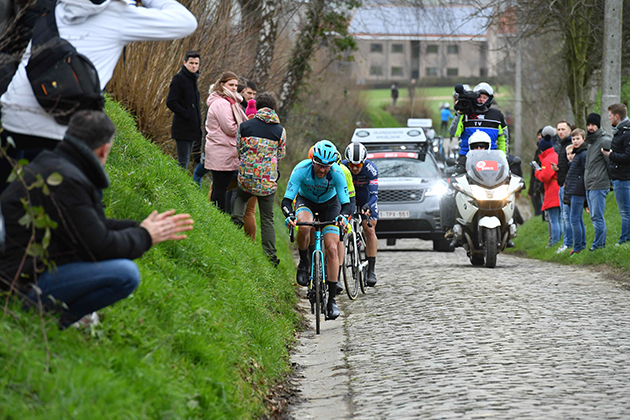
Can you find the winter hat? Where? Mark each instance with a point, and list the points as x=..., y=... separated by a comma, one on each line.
x=545, y=143
x=251, y=107
x=594, y=118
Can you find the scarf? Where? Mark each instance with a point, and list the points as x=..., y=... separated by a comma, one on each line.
x=235, y=101
x=620, y=125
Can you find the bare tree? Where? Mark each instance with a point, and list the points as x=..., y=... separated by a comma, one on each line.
x=267, y=37
x=326, y=26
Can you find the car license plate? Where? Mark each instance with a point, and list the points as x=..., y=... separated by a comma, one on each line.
x=393, y=215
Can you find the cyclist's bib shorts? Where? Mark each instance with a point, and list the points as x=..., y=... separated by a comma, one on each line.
x=326, y=211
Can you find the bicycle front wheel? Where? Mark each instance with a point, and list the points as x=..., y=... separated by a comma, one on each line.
x=361, y=262
x=318, y=281
x=350, y=268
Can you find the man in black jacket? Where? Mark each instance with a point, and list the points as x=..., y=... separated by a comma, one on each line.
x=560, y=144
x=183, y=100
x=91, y=254
x=619, y=166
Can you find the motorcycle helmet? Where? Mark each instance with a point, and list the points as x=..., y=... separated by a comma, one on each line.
x=486, y=89
x=324, y=153
x=479, y=138
x=356, y=153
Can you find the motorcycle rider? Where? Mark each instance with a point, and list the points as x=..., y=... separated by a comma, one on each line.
x=478, y=140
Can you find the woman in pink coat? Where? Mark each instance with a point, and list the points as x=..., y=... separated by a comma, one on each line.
x=224, y=116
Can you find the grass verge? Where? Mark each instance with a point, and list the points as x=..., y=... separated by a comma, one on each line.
x=533, y=236
x=205, y=336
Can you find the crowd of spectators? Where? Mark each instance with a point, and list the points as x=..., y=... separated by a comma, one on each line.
x=573, y=171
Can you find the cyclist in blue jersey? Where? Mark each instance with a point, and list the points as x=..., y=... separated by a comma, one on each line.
x=318, y=186
x=365, y=179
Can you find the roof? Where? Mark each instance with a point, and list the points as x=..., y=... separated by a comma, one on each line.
x=430, y=22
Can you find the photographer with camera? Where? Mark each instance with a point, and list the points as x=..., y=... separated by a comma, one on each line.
x=476, y=114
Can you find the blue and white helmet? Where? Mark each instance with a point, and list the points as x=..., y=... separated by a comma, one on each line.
x=356, y=153
x=325, y=153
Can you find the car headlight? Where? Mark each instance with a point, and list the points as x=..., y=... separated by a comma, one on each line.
x=485, y=194
x=437, y=190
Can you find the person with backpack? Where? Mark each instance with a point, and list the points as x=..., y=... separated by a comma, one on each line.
x=98, y=31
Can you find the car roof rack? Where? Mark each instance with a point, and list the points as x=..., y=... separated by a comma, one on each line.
x=402, y=138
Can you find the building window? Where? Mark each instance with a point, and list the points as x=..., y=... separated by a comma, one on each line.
x=397, y=71
x=451, y=72
x=483, y=72
x=452, y=49
x=397, y=48
x=432, y=49
x=432, y=71
x=376, y=48
x=376, y=71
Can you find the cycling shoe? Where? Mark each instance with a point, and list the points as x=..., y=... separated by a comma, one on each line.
x=303, y=275
x=371, y=279
x=332, y=311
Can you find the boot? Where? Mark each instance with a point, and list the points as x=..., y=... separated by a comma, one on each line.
x=332, y=311
x=371, y=276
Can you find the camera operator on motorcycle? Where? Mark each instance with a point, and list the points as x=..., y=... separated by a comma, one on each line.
x=365, y=179
x=479, y=140
x=318, y=186
x=476, y=114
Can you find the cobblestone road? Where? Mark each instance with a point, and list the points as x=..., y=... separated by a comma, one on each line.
x=439, y=338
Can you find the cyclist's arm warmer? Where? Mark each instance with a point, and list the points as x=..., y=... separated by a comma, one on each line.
x=346, y=209
x=287, y=206
x=372, y=184
x=353, y=204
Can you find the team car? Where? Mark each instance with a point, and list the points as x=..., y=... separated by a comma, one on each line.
x=410, y=184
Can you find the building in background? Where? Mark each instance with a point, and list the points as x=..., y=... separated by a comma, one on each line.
x=401, y=43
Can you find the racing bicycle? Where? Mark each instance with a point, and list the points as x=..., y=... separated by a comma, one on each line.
x=316, y=293
x=355, y=261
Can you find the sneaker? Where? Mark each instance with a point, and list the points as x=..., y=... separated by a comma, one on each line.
x=302, y=276
x=332, y=311
x=371, y=278
x=573, y=252
x=595, y=248
x=87, y=321
x=561, y=249
x=274, y=260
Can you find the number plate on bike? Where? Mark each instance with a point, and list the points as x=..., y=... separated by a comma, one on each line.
x=393, y=215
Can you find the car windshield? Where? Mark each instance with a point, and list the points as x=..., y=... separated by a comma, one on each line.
x=406, y=168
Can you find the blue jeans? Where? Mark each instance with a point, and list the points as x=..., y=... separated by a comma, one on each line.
x=566, y=221
x=553, y=215
x=86, y=287
x=577, y=222
x=596, y=205
x=622, y=195
x=199, y=173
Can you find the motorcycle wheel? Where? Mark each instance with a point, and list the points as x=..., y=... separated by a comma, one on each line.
x=490, y=247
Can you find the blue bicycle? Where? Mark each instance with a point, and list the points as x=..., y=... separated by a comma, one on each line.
x=316, y=293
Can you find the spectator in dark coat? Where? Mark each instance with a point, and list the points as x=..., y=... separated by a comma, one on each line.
x=564, y=139
x=619, y=167
x=574, y=188
x=596, y=179
x=183, y=100
x=92, y=254
x=247, y=89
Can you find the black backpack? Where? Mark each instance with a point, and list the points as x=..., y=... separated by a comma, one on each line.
x=63, y=80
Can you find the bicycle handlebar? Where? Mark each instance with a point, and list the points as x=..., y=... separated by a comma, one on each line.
x=314, y=223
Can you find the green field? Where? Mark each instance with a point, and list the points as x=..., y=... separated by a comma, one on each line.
x=205, y=336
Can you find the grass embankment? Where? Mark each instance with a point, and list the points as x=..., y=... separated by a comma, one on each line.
x=533, y=236
x=204, y=336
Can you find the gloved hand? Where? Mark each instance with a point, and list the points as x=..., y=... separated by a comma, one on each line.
x=290, y=221
x=341, y=219
x=366, y=209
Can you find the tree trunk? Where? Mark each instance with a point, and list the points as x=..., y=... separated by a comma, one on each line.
x=301, y=54
x=266, y=42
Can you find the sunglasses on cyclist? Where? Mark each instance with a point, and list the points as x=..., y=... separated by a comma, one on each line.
x=355, y=165
x=321, y=165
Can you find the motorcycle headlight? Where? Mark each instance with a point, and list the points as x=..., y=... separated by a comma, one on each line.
x=486, y=194
x=436, y=149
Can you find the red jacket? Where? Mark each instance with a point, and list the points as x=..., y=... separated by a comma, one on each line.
x=549, y=177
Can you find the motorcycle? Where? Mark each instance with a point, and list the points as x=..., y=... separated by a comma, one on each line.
x=485, y=198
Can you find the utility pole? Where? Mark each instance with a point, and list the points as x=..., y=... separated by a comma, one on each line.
x=611, y=83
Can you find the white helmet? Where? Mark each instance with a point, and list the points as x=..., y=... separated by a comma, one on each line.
x=479, y=138
x=356, y=153
x=486, y=89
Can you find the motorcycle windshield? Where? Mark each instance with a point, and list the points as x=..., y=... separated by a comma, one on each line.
x=487, y=167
